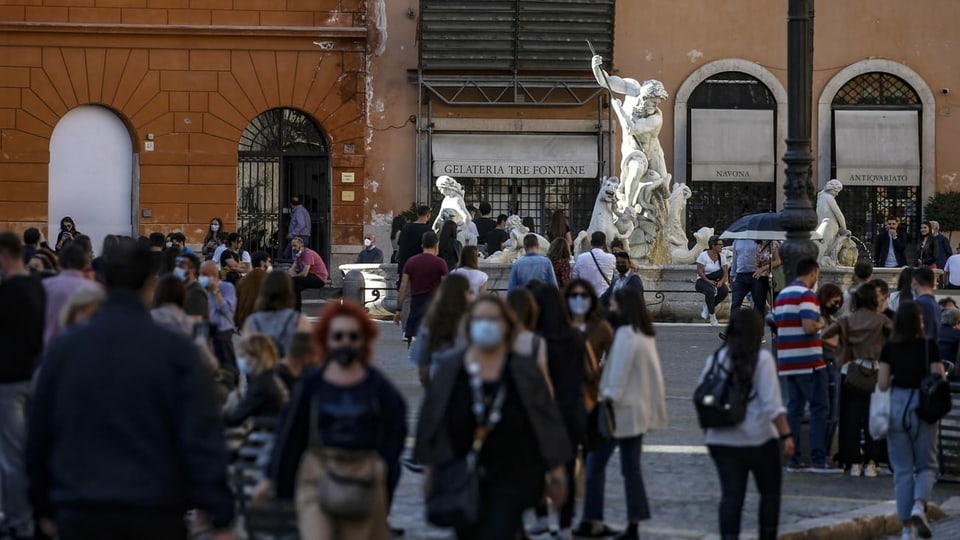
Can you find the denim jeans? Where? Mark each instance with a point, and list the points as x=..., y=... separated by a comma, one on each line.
x=712, y=296
x=803, y=389
x=758, y=288
x=14, y=400
x=638, y=508
x=596, y=480
x=912, y=445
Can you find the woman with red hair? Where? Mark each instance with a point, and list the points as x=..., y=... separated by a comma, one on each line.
x=339, y=448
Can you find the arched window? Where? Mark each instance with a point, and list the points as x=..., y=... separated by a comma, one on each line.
x=876, y=152
x=731, y=150
x=282, y=153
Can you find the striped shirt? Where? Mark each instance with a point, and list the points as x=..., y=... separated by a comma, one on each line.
x=797, y=352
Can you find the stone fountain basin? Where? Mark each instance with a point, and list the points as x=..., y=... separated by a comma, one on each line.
x=679, y=301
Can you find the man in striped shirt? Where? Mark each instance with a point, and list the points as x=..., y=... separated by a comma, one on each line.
x=801, y=365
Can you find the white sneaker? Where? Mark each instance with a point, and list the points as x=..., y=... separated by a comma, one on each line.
x=919, y=519
x=870, y=471
x=908, y=534
x=713, y=321
x=704, y=312
x=855, y=470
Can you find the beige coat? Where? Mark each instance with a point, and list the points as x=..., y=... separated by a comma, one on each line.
x=632, y=380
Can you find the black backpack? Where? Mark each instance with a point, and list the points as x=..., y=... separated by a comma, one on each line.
x=935, y=401
x=720, y=401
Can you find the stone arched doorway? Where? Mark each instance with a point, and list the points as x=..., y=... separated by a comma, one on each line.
x=92, y=175
x=731, y=160
x=875, y=152
x=282, y=153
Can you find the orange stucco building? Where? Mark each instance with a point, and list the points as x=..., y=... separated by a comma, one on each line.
x=885, y=77
x=162, y=114
x=230, y=107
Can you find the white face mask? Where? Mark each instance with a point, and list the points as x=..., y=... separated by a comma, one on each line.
x=269, y=268
x=367, y=242
x=579, y=305
x=214, y=227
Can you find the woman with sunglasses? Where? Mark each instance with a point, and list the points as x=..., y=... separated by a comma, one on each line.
x=485, y=397
x=712, y=278
x=68, y=231
x=346, y=411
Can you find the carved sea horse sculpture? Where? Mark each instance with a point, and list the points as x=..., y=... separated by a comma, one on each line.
x=607, y=217
x=686, y=256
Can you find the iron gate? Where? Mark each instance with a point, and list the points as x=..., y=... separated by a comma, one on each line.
x=536, y=198
x=867, y=207
x=282, y=153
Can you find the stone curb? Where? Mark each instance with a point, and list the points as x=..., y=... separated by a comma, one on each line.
x=867, y=523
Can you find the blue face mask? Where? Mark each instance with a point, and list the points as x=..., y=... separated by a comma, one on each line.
x=180, y=273
x=242, y=365
x=204, y=281
x=579, y=305
x=485, y=334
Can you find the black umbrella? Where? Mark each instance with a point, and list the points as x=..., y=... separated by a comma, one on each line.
x=764, y=226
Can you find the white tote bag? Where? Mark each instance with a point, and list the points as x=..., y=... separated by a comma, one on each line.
x=879, y=413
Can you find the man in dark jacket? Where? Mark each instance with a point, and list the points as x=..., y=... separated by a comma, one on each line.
x=124, y=434
x=22, y=308
x=889, y=249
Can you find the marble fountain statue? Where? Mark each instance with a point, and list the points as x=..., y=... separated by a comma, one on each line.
x=642, y=207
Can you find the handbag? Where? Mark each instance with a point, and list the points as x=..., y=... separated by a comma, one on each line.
x=861, y=379
x=348, y=479
x=606, y=420
x=879, y=413
x=935, y=401
x=454, y=498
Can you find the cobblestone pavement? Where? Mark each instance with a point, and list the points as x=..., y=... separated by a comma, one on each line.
x=679, y=475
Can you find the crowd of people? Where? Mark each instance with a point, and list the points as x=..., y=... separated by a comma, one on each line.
x=124, y=371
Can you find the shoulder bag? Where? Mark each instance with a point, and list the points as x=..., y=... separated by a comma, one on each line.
x=860, y=378
x=454, y=498
x=935, y=401
x=348, y=479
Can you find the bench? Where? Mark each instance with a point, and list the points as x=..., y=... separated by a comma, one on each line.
x=275, y=520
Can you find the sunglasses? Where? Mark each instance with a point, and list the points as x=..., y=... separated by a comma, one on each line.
x=350, y=336
x=579, y=295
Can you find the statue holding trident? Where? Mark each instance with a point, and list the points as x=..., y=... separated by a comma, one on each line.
x=640, y=120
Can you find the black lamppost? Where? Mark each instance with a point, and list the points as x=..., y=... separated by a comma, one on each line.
x=798, y=216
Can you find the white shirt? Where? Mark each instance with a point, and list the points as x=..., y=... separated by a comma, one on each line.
x=709, y=266
x=218, y=252
x=891, y=261
x=952, y=267
x=245, y=257
x=585, y=268
x=476, y=278
x=757, y=427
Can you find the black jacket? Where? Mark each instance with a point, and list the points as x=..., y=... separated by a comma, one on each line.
x=927, y=250
x=433, y=445
x=266, y=395
x=410, y=243
x=124, y=418
x=882, y=248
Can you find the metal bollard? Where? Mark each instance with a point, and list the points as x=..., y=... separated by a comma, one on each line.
x=354, y=287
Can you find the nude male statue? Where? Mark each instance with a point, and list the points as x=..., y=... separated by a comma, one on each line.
x=641, y=121
x=828, y=209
